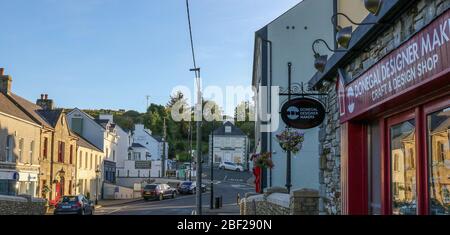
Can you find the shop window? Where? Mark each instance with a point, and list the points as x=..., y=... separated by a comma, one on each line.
x=438, y=129
x=403, y=181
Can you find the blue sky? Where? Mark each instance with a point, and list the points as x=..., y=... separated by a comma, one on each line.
x=112, y=53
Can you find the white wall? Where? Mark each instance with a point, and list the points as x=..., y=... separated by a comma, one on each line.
x=122, y=146
x=91, y=130
x=143, y=137
x=311, y=19
x=236, y=142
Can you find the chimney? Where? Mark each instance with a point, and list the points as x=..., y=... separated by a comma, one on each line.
x=45, y=103
x=5, y=82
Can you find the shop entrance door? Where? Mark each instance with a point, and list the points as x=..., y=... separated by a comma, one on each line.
x=402, y=164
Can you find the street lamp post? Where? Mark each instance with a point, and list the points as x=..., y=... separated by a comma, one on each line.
x=97, y=174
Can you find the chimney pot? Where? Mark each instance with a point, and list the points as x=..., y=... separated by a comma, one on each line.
x=2, y=70
x=45, y=96
x=42, y=96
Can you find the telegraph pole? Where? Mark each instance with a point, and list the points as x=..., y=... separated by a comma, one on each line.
x=198, y=142
x=147, y=97
x=163, y=167
x=211, y=204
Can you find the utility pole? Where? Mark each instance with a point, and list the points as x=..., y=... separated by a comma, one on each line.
x=163, y=165
x=198, y=142
x=190, y=150
x=211, y=204
x=148, y=98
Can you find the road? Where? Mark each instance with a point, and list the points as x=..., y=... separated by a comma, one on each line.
x=183, y=204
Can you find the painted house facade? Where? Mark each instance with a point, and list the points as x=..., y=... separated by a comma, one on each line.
x=20, y=141
x=102, y=134
x=285, y=40
x=89, y=159
x=230, y=145
x=153, y=143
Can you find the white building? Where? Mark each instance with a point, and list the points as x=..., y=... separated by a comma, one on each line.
x=102, y=133
x=230, y=145
x=137, y=164
x=151, y=142
x=288, y=39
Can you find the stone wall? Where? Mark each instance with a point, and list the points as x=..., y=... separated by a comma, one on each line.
x=22, y=206
x=412, y=21
x=300, y=202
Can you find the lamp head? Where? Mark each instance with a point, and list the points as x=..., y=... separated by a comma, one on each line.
x=320, y=62
x=373, y=6
x=344, y=36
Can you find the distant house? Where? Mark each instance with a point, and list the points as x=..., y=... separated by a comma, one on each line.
x=137, y=164
x=151, y=142
x=231, y=144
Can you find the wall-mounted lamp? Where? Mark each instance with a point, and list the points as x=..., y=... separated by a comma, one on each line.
x=321, y=60
x=373, y=6
x=344, y=35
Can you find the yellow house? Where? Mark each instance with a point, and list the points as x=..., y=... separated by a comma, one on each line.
x=89, y=160
x=19, y=146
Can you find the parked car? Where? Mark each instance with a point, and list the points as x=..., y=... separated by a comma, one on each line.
x=189, y=187
x=74, y=205
x=230, y=166
x=158, y=191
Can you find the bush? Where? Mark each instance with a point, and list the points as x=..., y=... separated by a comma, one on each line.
x=183, y=157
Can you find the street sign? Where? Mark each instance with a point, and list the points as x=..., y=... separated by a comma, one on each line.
x=303, y=113
x=143, y=165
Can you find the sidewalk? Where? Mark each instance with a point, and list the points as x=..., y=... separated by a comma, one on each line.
x=227, y=209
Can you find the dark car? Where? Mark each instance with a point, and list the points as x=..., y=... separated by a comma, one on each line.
x=158, y=191
x=74, y=205
x=189, y=187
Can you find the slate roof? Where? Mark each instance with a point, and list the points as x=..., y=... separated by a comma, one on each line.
x=9, y=107
x=137, y=145
x=157, y=138
x=102, y=122
x=31, y=109
x=51, y=116
x=82, y=142
x=235, y=131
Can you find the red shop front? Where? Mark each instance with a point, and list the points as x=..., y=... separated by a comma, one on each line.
x=395, y=131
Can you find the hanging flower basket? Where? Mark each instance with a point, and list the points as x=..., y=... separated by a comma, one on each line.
x=291, y=140
x=263, y=160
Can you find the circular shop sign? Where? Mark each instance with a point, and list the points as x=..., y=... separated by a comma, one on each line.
x=303, y=113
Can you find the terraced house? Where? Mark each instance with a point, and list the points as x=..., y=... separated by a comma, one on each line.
x=58, y=148
x=19, y=144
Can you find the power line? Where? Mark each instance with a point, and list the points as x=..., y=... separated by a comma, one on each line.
x=190, y=35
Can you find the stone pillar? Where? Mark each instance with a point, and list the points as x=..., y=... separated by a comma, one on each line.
x=304, y=202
